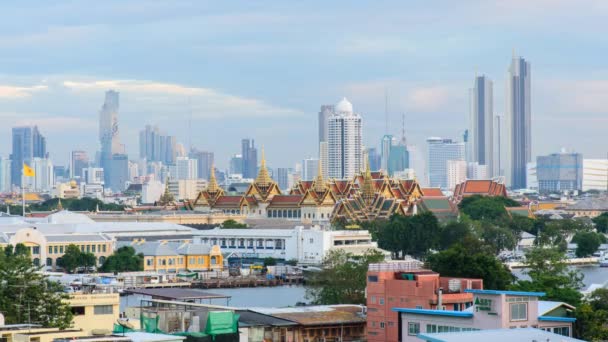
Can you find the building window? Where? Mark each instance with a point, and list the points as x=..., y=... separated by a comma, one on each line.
x=372, y=279
x=431, y=328
x=373, y=299
x=311, y=240
x=149, y=262
x=519, y=311
x=103, y=310
x=36, y=250
x=49, y=262
x=102, y=260
x=50, y=250
x=381, y=325
x=104, y=248
x=61, y=249
x=93, y=248
x=418, y=306
x=77, y=310
x=413, y=328
x=381, y=301
x=565, y=331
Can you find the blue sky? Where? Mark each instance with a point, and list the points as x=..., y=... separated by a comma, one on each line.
x=261, y=69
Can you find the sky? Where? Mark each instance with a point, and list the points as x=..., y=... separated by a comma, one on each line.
x=212, y=73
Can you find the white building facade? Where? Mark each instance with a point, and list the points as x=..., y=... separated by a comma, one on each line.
x=344, y=142
x=440, y=150
x=456, y=172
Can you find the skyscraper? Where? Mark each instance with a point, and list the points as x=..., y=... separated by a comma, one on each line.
x=344, y=142
x=385, y=150
x=109, y=134
x=118, y=169
x=324, y=158
x=324, y=114
x=204, y=162
x=283, y=178
x=78, y=161
x=559, y=172
x=155, y=146
x=518, y=123
x=374, y=158
x=250, y=158
x=310, y=169
x=236, y=165
x=481, y=136
x=440, y=151
x=28, y=143
x=44, y=177
x=184, y=168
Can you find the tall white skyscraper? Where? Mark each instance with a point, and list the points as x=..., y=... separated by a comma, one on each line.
x=456, y=173
x=344, y=142
x=517, y=123
x=481, y=135
x=440, y=151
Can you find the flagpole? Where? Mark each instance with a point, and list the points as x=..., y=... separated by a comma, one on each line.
x=23, y=190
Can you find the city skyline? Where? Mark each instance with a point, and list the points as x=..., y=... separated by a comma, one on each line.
x=407, y=61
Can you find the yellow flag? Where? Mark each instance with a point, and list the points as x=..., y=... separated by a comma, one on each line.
x=28, y=171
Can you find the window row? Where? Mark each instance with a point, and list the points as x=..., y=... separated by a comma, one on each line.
x=97, y=248
x=247, y=243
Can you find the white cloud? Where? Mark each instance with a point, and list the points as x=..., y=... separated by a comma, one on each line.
x=574, y=97
x=17, y=92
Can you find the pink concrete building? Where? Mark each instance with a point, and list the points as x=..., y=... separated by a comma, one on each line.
x=491, y=310
x=405, y=285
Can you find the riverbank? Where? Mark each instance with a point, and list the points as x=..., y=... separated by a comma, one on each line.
x=573, y=261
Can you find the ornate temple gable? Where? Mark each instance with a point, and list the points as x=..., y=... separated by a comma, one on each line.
x=263, y=188
x=209, y=196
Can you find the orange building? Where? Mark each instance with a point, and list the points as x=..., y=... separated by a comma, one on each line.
x=404, y=284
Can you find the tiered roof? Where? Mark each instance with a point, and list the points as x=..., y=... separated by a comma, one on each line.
x=483, y=187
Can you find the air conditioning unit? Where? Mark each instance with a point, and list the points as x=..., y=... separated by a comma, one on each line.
x=454, y=285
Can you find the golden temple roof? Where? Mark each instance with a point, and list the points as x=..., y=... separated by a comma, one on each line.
x=213, y=186
x=263, y=179
x=368, y=190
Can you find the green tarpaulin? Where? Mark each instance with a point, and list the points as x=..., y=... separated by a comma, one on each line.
x=222, y=322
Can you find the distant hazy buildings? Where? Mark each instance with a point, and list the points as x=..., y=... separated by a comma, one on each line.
x=44, y=178
x=440, y=150
x=78, y=161
x=28, y=143
x=559, y=172
x=310, y=169
x=250, y=158
x=344, y=142
x=477, y=171
x=385, y=150
x=204, y=162
x=5, y=175
x=481, y=137
x=155, y=146
x=112, y=157
x=375, y=159
x=117, y=173
x=518, y=123
x=236, y=165
x=93, y=175
x=184, y=168
x=283, y=178
x=595, y=174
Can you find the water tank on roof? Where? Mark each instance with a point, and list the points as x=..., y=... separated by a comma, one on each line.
x=454, y=285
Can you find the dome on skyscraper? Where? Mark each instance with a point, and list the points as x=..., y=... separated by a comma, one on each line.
x=344, y=106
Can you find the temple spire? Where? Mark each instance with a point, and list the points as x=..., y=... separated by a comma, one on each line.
x=59, y=206
x=212, y=187
x=263, y=178
x=368, y=184
x=319, y=182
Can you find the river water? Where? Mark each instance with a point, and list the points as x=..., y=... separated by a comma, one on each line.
x=282, y=296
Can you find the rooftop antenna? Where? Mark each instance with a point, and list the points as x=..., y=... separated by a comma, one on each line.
x=403, y=140
x=386, y=110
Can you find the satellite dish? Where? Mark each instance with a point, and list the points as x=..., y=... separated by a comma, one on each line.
x=123, y=322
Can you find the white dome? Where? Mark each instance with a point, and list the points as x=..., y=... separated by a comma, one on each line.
x=344, y=106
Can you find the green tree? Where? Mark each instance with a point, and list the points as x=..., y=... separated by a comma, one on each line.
x=600, y=222
x=270, y=261
x=410, y=235
x=124, y=259
x=26, y=295
x=454, y=232
x=496, y=236
x=230, y=223
x=591, y=317
x=486, y=207
x=471, y=260
x=587, y=243
x=549, y=273
x=343, y=278
x=75, y=204
x=75, y=258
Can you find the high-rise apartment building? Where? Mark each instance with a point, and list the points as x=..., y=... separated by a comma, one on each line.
x=5, y=175
x=518, y=123
x=375, y=159
x=184, y=168
x=477, y=171
x=236, y=165
x=559, y=172
x=28, y=143
x=385, y=150
x=283, y=178
x=78, y=161
x=440, y=150
x=456, y=173
x=204, y=161
x=44, y=177
x=250, y=158
x=344, y=142
x=481, y=130
x=324, y=158
x=117, y=174
x=310, y=169
x=324, y=114
x=595, y=174
x=93, y=175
